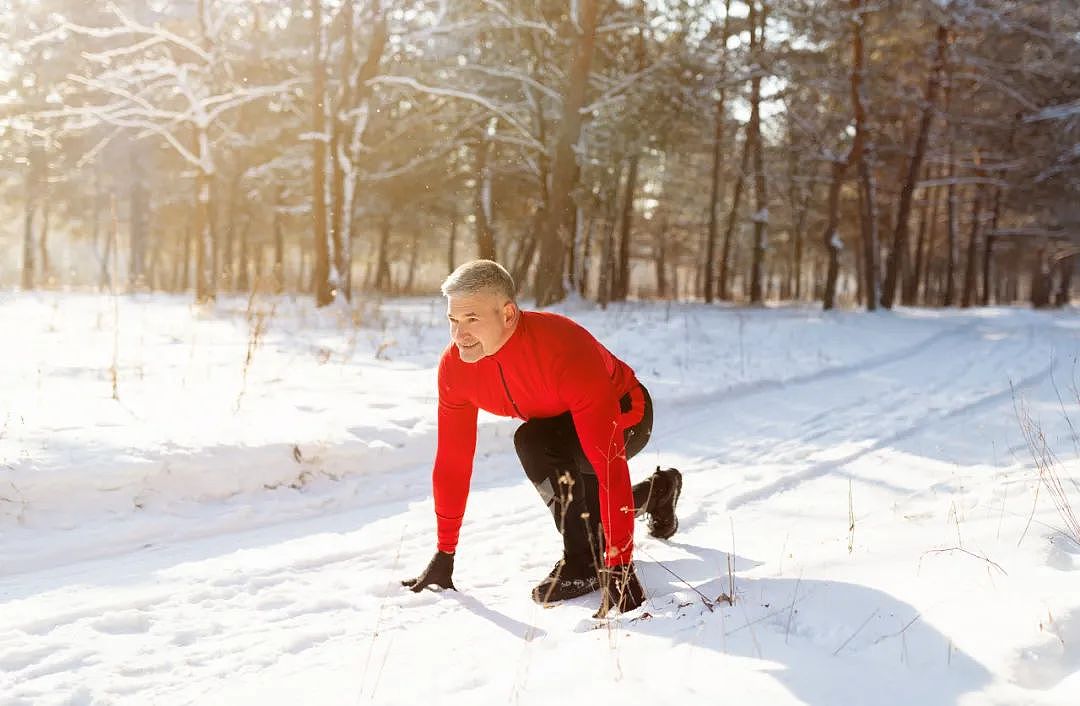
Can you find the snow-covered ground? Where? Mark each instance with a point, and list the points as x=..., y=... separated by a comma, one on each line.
x=232, y=525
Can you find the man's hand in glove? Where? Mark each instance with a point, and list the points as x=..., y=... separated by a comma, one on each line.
x=438, y=573
x=619, y=590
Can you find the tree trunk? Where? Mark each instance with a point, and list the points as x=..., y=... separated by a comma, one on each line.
x=549, y=276
x=177, y=284
x=970, y=281
x=1067, y=265
x=320, y=227
x=799, y=205
x=951, y=216
x=660, y=249
x=156, y=253
x=279, y=243
x=339, y=235
x=607, y=246
x=139, y=212
x=485, y=238
x=203, y=242
x=28, y=240
x=761, y=216
x=527, y=252
x=572, y=251
x=382, y=269
x=452, y=242
x=900, y=233
x=350, y=126
x=862, y=153
x=97, y=233
x=717, y=161
x=414, y=254
x=831, y=237
x=800, y=255
x=998, y=192
x=988, y=254
x=185, y=270
x=733, y=213
x=910, y=290
x=243, y=282
x=621, y=280
x=951, y=207
x=229, y=264
x=1040, y=279
x=43, y=239
x=714, y=193
x=586, y=256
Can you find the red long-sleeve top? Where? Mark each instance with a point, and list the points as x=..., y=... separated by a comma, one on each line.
x=550, y=365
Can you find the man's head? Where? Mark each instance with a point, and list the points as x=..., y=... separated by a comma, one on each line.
x=481, y=308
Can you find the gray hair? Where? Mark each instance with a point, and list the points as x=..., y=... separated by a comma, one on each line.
x=479, y=276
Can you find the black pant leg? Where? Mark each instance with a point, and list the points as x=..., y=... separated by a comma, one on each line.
x=554, y=461
x=636, y=438
x=551, y=454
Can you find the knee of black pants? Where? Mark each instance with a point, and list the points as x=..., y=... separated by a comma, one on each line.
x=531, y=443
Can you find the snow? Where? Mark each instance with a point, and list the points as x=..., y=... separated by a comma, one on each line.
x=233, y=532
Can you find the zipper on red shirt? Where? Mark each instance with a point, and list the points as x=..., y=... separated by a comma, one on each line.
x=507, y=388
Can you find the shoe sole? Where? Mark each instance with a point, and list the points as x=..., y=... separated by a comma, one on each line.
x=548, y=597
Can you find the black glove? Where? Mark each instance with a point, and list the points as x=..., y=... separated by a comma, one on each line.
x=437, y=573
x=619, y=590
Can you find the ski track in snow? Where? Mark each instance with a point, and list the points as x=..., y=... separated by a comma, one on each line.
x=310, y=610
x=888, y=410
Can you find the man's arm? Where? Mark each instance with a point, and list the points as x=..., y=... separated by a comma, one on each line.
x=450, y=479
x=452, y=472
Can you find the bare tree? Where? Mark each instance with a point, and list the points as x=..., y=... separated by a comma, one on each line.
x=761, y=215
x=862, y=152
x=900, y=233
x=556, y=226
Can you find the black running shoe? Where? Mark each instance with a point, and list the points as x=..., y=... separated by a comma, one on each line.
x=564, y=582
x=664, y=495
x=621, y=590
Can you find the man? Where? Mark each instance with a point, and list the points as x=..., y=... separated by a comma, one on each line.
x=585, y=413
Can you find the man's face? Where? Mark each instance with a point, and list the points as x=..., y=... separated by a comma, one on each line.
x=480, y=323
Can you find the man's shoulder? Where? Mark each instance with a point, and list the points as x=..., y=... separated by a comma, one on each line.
x=450, y=362
x=562, y=340
x=450, y=354
x=550, y=322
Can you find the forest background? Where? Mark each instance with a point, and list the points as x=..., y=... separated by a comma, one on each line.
x=923, y=152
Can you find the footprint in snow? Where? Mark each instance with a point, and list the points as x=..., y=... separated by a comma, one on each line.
x=1063, y=556
x=17, y=660
x=125, y=623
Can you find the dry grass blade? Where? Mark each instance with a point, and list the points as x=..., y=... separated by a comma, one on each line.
x=1049, y=466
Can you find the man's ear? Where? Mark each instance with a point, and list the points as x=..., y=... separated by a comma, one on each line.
x=509, y=311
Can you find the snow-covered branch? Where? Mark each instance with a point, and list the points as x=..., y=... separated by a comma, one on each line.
x=225, y=102
x=447, y=148
x=129, y=26
x=1001, y=84
x=615, y=93
x=1055, y=112
x=412, y=83
x=501, y=10
x=958, y=180
x=516, y=76
x=106, y=57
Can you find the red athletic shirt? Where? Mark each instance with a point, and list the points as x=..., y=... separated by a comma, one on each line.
x=549, y=365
